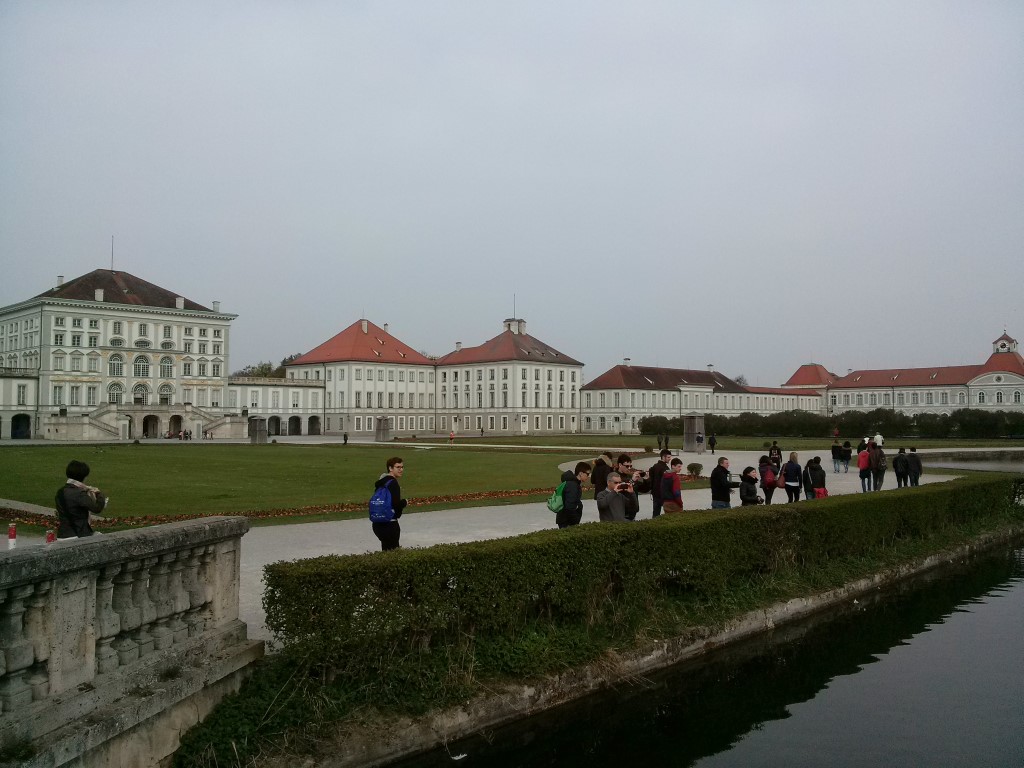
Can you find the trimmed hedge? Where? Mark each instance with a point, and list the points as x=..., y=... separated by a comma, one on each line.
x=417, y=629
x=417, y=598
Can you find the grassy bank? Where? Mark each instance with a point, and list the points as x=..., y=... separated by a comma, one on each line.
x=411, y=631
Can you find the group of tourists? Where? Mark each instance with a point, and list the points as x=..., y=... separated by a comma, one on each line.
x=873, y=463
x=792, y=476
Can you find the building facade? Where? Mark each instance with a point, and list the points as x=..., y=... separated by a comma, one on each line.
x=109, y=355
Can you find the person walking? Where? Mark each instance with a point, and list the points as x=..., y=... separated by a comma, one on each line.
x=847, y=455
x=76, y=501
x=878, y=465
x=390, y=532
x=572, y=495
x=901, y=467
x=656, y=473
x=837, y=456
x=722, y=485
x=712, y=442
x=864, y=466
x=791, y=472
x=700, y=443
x=671, y=487
x=915, y=468
x=805, y=478
x=748, y=488
x=768, y=476
x=661, y=442
x=617, y=503
x=775, y=456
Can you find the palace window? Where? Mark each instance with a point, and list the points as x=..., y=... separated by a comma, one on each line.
x=116, y=367
x=141, y=367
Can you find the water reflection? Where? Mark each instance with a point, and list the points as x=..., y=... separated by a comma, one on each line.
x=872, y=685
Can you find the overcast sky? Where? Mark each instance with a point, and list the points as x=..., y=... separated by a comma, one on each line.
x=754, y=185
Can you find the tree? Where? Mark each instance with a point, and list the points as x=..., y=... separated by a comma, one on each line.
x=741, y=380
x=257, y=370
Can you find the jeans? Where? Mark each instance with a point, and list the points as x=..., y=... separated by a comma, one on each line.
x=846, y=465
x=914, y=477
x=721, y=505
x=835, y=465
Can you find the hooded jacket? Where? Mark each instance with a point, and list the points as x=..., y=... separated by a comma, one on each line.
x=572, y=500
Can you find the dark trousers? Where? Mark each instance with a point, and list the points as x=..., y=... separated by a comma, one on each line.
x=656, y=503
x=388, y=533
x=769, y=491
x=914, y=478
x=902, y=481
x=792, y=493
x=878, y=477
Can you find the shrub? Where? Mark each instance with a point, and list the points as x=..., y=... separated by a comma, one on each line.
x=693, y=470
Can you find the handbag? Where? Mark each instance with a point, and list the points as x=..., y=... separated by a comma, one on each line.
x=820, y=493
x=780, y=480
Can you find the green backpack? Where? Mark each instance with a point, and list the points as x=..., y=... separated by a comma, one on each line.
x=556, y=502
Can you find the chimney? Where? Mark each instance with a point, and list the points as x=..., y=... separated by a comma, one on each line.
x=458, y=346
x=99, y=294
x=385, y=327
x=364, y=326
x=60, y=279
x=711, y=367
x=522, y=327
x=625, y=361
x=179, y=302
x=216, y=306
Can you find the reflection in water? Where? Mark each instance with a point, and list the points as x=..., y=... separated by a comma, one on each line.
x=891, y=680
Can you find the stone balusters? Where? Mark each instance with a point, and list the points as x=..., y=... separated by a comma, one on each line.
x=15, y=691
x=108, y=622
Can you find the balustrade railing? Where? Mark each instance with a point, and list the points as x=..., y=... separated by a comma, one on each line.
x=76, y=613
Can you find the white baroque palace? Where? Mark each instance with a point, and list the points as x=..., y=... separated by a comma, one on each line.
x=111, y=356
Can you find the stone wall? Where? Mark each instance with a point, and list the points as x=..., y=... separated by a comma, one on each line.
x=111, y=646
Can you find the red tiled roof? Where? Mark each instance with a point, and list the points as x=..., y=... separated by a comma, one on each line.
x=1005, y=337
x=811, y=374
x=909, y=377
x=642, y=377
x=374, y=345
x=508, y=346
x=1008, y=362
x=118, y=288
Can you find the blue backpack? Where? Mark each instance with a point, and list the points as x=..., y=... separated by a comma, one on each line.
x=381, y=510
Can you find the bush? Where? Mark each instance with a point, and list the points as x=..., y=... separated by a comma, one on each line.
x=415, y=629
x=694, y=469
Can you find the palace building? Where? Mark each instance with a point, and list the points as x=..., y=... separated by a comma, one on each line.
x=109, y=356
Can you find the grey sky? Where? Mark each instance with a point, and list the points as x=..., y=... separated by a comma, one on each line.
x=754, y=185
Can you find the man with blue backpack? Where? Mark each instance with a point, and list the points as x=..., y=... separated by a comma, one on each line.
x=386, y=505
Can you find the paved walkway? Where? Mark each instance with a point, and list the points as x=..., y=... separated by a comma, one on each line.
x=273, y=543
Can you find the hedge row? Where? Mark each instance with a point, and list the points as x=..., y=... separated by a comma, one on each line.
x=419, y=598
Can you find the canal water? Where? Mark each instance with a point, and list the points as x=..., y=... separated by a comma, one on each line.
x=929, y=673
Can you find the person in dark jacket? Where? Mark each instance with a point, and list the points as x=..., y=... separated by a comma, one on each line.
x=818, y=478
x=637, y=478
x=572, y=495
x=617, y=503
x=748, y=488
x=901, y=467
x=775, y=455
x=602, y=466
x=389, y=533
x=847, y=455
x=721, y=485
x=805, y=478
x=837, y=456
x=791, y=472
x=656, y=473
x=916, y=470
x=768, y=476
x=75, y=501
x=712, y=442
x=877, y=461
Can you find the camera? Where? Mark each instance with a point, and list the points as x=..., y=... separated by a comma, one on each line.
x=623, y=487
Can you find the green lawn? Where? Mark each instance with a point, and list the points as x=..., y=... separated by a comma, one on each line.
x=222, y=479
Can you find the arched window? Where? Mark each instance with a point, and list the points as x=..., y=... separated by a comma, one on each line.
x=166, y=368
x=141, y=367
x=981, y=398
x=116, y=366
x=140, y=394
x=166, y=395
x=961, y=398
x=1016, y=397
x=115, y=394
x=999, y=397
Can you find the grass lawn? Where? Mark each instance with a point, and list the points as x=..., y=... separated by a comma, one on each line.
x=223, y=479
